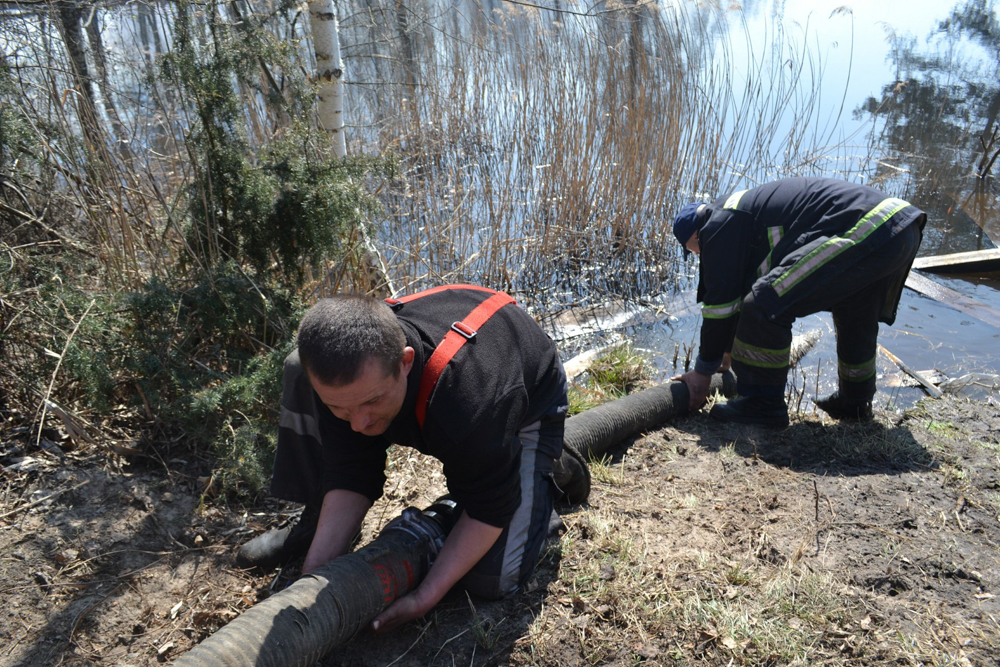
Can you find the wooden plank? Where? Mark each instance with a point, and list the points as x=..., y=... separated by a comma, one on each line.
x=978, y=261
x=916, y=375
x=950, y=297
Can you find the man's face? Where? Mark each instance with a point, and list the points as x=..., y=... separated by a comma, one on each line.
x=693, y=245
x=372, y=401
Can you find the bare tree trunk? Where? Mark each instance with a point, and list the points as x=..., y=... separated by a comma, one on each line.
x=988, y=138
x=100, y=64
x=330, y=114
x=276, y=98
x=635, y=49
x=409, y=62
x=329, y=71
x=70, y=14
x=145, y=18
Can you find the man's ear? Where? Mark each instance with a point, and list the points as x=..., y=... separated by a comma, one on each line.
x=407, y=363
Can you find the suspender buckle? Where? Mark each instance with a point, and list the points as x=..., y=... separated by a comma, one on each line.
x=463, y=330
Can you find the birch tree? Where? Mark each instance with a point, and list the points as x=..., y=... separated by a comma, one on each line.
x=329, y=72
x=330, y=115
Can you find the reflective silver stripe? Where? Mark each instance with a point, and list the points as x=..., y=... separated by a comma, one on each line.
x=761, y=357
x=722, y=311
x=520, y=524
x=856, y=372
x=835, y=246
x=734, y=199
x=300, y=423
x=774, y=236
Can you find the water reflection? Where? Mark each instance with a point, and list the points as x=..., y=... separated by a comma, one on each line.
x=937, y=126
x=545, y=149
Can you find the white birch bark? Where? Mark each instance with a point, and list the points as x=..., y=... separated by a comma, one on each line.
x=329, y=72
x=330, y=115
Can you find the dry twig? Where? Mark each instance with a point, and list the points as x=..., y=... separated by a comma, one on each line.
x=52, y=382
x=51, y=496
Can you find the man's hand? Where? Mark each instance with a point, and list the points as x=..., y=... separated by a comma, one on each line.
x=468, y=541
x=727, y=362
x=339, y=520
x=404, y=609
x=697, y=385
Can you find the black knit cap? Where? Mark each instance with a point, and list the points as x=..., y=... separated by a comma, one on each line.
x=687, y=223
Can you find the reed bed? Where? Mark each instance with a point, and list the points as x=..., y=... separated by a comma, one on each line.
x=542, y=152
x=545, y=152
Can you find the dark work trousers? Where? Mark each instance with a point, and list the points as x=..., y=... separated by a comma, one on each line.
x=856, y=298
x=512, y=558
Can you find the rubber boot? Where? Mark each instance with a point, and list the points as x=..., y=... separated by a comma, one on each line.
x=281, y=545
x=845, y=409
x=761, y=410
x=572, y=476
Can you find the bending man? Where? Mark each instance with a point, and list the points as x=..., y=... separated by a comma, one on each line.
x=460, y=373
x=784, y=250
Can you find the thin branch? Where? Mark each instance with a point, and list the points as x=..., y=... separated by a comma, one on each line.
x=42, y=500
x=52, y=382
x=587, y=13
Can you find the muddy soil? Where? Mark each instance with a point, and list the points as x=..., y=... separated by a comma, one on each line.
x=702, y=543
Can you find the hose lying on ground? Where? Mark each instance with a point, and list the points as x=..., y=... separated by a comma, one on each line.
x=329, y=606
x=594, y=431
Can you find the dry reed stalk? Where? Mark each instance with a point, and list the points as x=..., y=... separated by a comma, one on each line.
x=549, y=155
x=598, y=199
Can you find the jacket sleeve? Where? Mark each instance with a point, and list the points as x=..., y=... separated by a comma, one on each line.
x=725, y=244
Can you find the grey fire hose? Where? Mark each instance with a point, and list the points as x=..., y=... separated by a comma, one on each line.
x=332, y=604
x=329, y=606
x=594, y=431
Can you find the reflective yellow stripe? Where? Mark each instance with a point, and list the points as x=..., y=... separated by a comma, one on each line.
x=734, y=199
x=761, y=357
x=720, y=312
x=856, y=372
x=774, y=236
x=830, y=250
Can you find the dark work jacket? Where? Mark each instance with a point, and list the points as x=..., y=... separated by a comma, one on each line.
x=507, y=376
x=784, y=239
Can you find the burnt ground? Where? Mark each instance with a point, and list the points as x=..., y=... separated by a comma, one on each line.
x=702, y=543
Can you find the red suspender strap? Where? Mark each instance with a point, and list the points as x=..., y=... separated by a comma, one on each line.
x=453, y=341
x=434, y=290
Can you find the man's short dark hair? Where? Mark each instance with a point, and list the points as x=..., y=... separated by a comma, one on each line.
x=339, y=335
